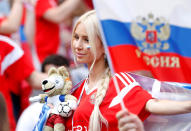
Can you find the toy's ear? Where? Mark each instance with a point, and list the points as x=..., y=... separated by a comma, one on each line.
x=51, y=71
x=63, y=71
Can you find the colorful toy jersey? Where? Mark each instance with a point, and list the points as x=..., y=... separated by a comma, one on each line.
x=134, y=98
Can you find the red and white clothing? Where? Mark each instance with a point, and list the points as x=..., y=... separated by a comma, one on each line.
x=134, y=98
x=14, y=67
x=47, y=33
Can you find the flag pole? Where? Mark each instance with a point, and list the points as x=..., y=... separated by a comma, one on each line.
x=110, y=62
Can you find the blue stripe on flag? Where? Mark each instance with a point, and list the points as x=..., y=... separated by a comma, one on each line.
x=118, y=33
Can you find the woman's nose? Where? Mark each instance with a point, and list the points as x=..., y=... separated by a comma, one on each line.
x=78, y=44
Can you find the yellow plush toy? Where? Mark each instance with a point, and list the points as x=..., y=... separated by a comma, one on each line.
x=57, y=88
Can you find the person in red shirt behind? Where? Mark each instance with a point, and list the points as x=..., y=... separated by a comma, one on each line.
x=48, y=15
x=13, y=73
x=15, y=67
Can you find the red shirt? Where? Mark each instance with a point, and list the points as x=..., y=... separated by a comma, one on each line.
x=47, y=33
x=14, y=67
x=134, y=98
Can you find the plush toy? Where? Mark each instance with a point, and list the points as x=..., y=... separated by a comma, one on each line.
x=57, y=88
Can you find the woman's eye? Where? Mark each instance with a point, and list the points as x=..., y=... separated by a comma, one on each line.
x=76, y=37
x=86, y=40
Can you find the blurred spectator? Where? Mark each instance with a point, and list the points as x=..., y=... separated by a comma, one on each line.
x=76, y=74
x=20, y=92
x=11, y=23
x=12, y=61
x=15, y=67
x=51, y=61
x=48, y=15
x=54, y=61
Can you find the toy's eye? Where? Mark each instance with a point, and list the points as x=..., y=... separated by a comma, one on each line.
x=57, y=81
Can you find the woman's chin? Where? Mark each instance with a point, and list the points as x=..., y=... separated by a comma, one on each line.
x=80, y=61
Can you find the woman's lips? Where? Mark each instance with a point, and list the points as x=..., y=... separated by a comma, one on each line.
x=80, y=54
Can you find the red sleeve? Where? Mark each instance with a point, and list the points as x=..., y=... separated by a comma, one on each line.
x=21, y=68
x=134, y=96
x=42, y=6
x=15, y=63
x=137, y=99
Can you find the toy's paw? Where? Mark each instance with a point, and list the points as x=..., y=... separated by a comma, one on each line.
x=35, y=99
x=72, y=104
x=64, y=109
x=43, y=97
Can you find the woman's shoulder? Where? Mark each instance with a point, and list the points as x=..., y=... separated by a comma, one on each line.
x=123, y=79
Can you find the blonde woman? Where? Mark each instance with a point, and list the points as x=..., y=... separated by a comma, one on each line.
x=98, y=101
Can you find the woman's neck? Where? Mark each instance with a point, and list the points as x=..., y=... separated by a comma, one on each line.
x=97, y=72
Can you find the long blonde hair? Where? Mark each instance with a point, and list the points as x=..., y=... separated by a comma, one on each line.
x=90, y=21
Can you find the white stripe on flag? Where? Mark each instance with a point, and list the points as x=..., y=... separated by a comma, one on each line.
x=177, y=12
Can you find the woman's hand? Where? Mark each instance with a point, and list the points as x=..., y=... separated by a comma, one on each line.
x=129, y=122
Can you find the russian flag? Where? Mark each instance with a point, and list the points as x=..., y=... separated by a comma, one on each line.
x=152, y=35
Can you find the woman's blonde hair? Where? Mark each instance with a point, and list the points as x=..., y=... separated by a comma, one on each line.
x=90, y=21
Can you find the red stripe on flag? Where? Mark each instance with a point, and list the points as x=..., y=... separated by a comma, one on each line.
x=171, y=67
x=164, y=66
x=124, y=58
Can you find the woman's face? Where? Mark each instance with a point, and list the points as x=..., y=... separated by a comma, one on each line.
x=80, y=46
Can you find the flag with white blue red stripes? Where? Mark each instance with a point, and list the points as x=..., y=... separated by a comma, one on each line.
x=152, y=35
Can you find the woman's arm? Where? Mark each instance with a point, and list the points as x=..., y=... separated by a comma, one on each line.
x=12, y=23
x=35, y=79
x=62, y=12
x=168, y=107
